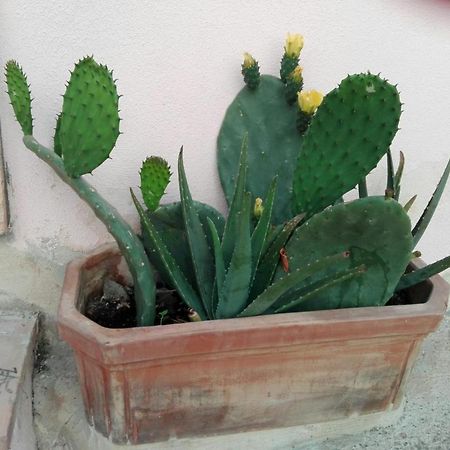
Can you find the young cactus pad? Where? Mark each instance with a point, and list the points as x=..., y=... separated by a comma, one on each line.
x=375, y=230
x=155, y=176
x=350, y=132
x=19, y=94
x=89, y=123
x=273, y=143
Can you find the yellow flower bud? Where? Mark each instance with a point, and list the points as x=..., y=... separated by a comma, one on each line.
x=309, y=101
x=259, y=208
x=249, y=61
x=294, y=45
x=296, y=74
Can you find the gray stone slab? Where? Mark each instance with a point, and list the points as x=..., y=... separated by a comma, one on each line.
x=17, y=339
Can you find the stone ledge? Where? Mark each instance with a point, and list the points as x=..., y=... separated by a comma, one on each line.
x=17, y=338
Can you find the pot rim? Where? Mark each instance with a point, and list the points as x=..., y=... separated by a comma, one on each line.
x=396, y=320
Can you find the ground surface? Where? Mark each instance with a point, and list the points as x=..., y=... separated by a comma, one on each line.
x=423, y=425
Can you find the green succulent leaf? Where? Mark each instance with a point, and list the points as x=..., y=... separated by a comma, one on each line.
x=155, y=176
x=283, y=287
x=321, y=286
x=426, y=216
x=19, y=95
x=202, y=259
x=419, y=275
x=262, y=228
x=398, y=176
x=350, y=132
x=232, y=223
x=269, y=262
x=219, y=264
x=234, y=295
x=89, y=122
x=56, y=138
x=178, y=279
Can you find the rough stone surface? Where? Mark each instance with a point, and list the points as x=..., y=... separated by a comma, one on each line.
x=26, y=278
x=17, y=338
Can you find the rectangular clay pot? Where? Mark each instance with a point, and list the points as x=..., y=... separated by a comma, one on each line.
x=149, y=384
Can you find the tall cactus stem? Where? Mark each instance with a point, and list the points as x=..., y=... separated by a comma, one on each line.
x=129, y=244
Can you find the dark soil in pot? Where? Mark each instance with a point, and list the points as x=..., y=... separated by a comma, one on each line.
x=114, y=307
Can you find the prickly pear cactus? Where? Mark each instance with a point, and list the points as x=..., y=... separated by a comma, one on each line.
x=273, y=143
x=377, y=233
x=89, y=123
x=155, y=176
x=19, y=94
x=350, y=132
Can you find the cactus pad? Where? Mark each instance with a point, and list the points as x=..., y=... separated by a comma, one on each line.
x=89, y=124
x=155, y=176
x=273, y=143
x=375, y=230
x=350, y=132
x=19, y=94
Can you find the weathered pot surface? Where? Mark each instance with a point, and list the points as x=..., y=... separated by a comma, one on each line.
x=149, y=384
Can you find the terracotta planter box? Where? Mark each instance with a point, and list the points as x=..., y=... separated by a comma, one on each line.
x=153, y=383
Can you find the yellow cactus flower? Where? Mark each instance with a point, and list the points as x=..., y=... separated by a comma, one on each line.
x=259, y=208
x=249, y=61
x=309, y=101
x=293, y=45
x=296, y=74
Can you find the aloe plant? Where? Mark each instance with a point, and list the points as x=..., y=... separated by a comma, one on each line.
x=233, y=263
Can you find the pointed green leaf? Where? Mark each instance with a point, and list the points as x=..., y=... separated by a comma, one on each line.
x=425, y=218
x=409, y=203
x=234, y=295
x=322, y=285
x=56, y=138
x=390, y=183
x=178, y=280
x=269, y=262
x=232, y=223
x=261, y=230
x=398, y=176
x=272, y=234
x=202, y=259
x=419, y=275
x=283, y=286
x=220, y=267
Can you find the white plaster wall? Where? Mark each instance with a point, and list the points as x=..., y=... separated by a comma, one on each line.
x=178, y=66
